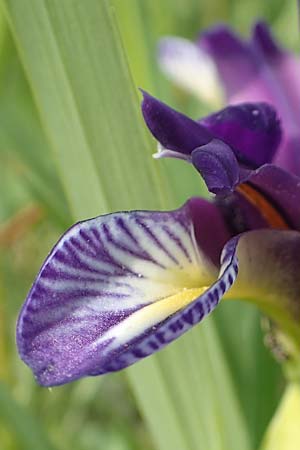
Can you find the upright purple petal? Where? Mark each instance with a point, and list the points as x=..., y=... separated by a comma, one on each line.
x=252, y=129
x=173, y=130
x=237, y=64
x=282, y=74
x=259, y=71
x=109, y=292
x=282, y=69
x=265, y=43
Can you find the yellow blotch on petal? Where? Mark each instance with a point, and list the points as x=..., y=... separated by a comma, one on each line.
x=158, y=311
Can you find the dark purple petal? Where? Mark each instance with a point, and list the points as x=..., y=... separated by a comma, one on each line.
x=282, y=189
x=270, y=198
x=265, y=43
x=280, y=70
x=173, y=130
x=283, y=69
x=236, y=61
x=211, y=232
x=259, y=71
x=218, y=166
x=288, y=156
x=251, y=129
x=242, y=68
x=112, y=281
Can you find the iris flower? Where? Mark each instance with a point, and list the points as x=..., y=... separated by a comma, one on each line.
x=122, y=286
x=221, y=64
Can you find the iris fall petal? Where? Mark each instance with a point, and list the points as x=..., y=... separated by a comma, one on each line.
x=118, y=288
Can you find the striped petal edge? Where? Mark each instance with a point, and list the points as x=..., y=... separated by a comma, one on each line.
x=115, y=289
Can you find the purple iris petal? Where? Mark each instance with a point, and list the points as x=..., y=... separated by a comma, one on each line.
x=283, y=190
x=252, y=129
x=281, y=74
x=218, y=166
x=264, y=42
x=259, y=70
x=236, y=62
x=288, y=156
x=173, y=130
x=119, y=287
x=211, y=231
x=165, y=332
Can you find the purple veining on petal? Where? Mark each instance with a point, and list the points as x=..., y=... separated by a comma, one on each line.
x=120, y=245
x=65, y=327
x=147, y=230
x=174, y=237
x=162, y=334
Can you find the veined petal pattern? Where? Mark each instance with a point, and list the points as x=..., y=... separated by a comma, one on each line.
x=106, y=282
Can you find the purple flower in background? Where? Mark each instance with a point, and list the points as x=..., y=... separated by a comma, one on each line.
x=120, y=287
x=257, y=70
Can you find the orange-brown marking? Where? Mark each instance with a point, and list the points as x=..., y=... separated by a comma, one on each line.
x=266, y=209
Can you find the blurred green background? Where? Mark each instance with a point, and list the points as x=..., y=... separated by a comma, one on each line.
x=103, y=413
